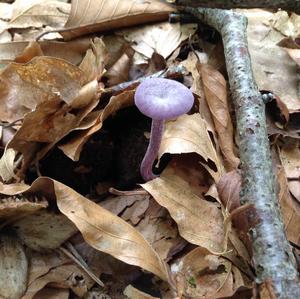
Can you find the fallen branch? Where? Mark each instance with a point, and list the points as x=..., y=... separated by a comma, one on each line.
x=272, y=255
x=175, y=72
x=291, y=5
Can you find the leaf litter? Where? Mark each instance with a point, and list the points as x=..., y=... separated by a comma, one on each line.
x=74, y=222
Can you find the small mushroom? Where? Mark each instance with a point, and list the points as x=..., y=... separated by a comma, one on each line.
x=160, y=99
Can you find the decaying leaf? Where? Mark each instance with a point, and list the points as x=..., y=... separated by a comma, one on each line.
x=15, y=207
x=44, y=230
x=36, y=13
x=73, y=51
x=65, y=276
x=203, y=275
x=162, y=38
x=107, y=232
x=199, y=221
x=94, y=122
x=43, y=79
x=7, y=169
x=215, y=89
x=271, y=63
x=189, y=134
x=13, y=267
x=133, y=293
x=103, y=15
x=290, y=159
x=95, y=59
x=290, y=209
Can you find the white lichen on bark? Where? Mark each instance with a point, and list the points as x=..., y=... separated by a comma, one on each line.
x=272, y=255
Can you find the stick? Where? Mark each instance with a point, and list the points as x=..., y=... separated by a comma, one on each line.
x=272, y=255
x=291, y=5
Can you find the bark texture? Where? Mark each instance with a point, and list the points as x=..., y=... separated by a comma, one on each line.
x=291, y=5
x=272, y=255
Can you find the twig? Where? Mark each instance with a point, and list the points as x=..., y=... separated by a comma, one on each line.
x=272, y=255
x=291, y=5
x=171, y=72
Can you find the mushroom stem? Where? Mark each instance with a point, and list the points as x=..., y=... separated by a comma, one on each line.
x=157, y=128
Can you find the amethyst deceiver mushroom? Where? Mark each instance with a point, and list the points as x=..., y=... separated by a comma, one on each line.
x=160, y=99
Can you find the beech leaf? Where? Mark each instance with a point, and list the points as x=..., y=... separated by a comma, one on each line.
x=216, y=96
x=108, y=233
x=199, y=221
x=189, y=134
x=102, y=15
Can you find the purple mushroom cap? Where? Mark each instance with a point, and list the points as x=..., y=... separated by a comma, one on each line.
x=160, y=98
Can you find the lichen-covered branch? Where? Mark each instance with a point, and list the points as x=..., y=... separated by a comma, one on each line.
x=292, y=5
x=272, y=255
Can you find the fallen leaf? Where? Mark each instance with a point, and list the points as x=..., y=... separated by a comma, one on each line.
x=199, y=221
x=188, y=134
x=72, y=51
x=162, y=38
x=294, y=54
x=15, y=207
x=44, y=230
x=36, y=13
x=207, y=276
x=107, y=232
x=133, y=293
x=271, y=63
x=215, y=89
x=64, y=276
x=52, y=293
x=290, y=159
x=290, y=209
x=14, y=267
x=103, y=15
x=43, y=79
x=7, y=166
x=73, y=147
x=119, y=71
x=95, y=59
x=42, y=262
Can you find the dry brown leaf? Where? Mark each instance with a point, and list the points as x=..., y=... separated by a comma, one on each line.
x=215, y=89
x=101, y=229
x=44, y=230
x=37, y=13
x=290, y=159
x=108, y=233
x=14, y=267
x=42, y=262
x=271, y=63
x=33, y=49
x=119, y=71
x=65, y=277
x=73, y=51
x=43, y=79
x=295, y=55
x=199, y=221
x=52, y=293
x=95, y=59
x=16, y=207
x=74, y=146
x=207, y=276
x=7, y=168
x=285, y=23
x=290, y=209
x=189, y=134
x=103, y=15
x=133, y=293
x=162, y=38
